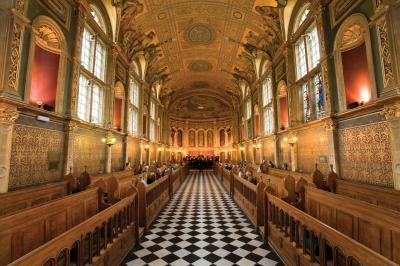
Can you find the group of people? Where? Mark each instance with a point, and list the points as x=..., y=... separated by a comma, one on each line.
x=200, y=163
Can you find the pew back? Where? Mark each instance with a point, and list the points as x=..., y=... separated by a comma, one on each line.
x=372, y=226
x=18, y=200
x=384, y=197
x=300, y=239
x=24, y=231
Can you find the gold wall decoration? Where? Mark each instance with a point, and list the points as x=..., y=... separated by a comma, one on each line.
x=35, y=156
x=117, y=161
x=365, y=154
x=89, y=152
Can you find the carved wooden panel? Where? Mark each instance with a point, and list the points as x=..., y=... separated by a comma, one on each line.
x=370, y=235
x=32, y=151
x=344, y=223
x=365, y=154
x=326, y=215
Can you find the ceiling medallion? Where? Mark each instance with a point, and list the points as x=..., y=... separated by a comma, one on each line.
x=200, y=85
x=200, y=66
x=200, y=34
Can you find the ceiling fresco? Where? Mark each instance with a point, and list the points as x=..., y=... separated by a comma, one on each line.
x=200, y=107
x=202, y=44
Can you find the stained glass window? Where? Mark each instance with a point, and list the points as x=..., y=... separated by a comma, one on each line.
x=306, y=103
x=319, y=96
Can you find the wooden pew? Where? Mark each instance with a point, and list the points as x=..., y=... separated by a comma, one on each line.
x=300, y=239
x=250, y=199
x=152, y=198
x=18, y=200
x=227, y=180
x=379, y=196
x=26, y=230
x=177, y=178
x=283, y=173
x=103, y=239
x=375, y=227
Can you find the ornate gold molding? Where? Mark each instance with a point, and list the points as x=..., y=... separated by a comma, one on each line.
x=391, y=112
x=330, y=124
x=8, y=113
x=386, y=60
x=71, y=126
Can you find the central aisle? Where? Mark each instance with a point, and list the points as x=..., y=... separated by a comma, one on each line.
x=201, y=225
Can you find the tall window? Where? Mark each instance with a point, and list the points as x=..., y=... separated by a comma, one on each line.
x=92, y=75
x=248, y=118
x=133, y=107
x=307, y=56
x=152, y=121
x=268, y=107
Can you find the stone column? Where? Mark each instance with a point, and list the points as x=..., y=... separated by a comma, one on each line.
x=8, y=115
x=70, y=132
x=332, y=141
x=392, y=114
x=276, y=150
x=108, y=159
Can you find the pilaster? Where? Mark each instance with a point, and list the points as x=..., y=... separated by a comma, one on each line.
x=333, y=146
x=70, y=132
x=8, y=115
x=392, y=114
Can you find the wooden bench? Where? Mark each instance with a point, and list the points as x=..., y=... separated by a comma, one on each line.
x=300, y=239
x=18, y=200
x=103, y=239
x=379, y=196
x=375, y=227
x=26, y=230
x=227, y=180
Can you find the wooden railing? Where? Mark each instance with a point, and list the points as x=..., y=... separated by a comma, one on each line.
x=152, y=198
x=26, y=230
x=18, y=200
x=227, y=180
x=104, y=239
x=380, y=196
x=177, y=178
x=373, y=226
x=250, y=198
x=301, y=239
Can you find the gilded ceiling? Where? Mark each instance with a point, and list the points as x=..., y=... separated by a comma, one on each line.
x=203, y=44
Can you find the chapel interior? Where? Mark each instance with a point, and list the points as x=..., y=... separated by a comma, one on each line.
x=197, y=132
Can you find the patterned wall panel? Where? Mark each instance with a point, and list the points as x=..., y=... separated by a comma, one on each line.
x=36, y=156
x=268, y=150
x=312, y=146
x=133, y=151
x=89, y=151
x=365, y=154
x=117, y=160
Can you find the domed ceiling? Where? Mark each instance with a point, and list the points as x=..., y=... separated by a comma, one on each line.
x=206, y=44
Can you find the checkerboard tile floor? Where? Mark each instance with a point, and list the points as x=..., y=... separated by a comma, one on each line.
x=201, y=225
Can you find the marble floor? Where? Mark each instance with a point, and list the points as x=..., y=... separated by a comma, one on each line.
x=201, y=225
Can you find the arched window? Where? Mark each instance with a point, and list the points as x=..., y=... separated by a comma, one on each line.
x=173, y=132
x=200, y=138
x=180, y=138
x=210, y=139
x=307, y=62
x=248, y=114
x=268, y=110
x=222, y=140
x=92, y=79
x=192, y=138
x=354, y=63
x=119, y=102
x=47, y=60
x=133, y=107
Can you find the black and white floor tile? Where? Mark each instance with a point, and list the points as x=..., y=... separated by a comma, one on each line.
x=201, y=225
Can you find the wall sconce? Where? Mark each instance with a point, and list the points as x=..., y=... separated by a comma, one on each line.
x=109, y=140
x=257, y=146
x=241, y=148
x=291, y=140
x=160, y=149
x=39, y=104
x=147, y=146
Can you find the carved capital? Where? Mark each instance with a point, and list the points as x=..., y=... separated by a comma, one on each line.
x=8, y=113
x=330, y=124
x=71, y=127
x=391, y=112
